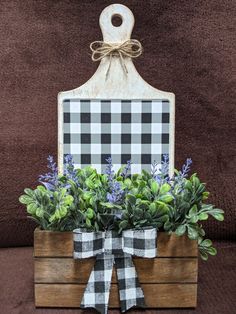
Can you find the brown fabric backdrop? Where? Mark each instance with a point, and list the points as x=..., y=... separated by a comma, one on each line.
x=44, y=48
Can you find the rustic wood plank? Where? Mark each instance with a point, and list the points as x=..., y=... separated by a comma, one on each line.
x=174, y=246
x=54, y=244
x=156, y=295
x=60, y=244
x=158, y=270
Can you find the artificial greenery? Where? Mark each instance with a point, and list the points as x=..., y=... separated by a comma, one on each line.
x=50, y=209
x=119, y=201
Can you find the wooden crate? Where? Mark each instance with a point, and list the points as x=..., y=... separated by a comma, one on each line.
x=170, y=280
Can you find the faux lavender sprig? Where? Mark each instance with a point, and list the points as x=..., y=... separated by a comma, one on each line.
x=184, y=172
x=116, y=194
x=179, y=178
x=126, y=169
x=69, y=169
x=50, y=179
x=165, y=166
x=186, y=168
x=161, y=175
x=109, y=170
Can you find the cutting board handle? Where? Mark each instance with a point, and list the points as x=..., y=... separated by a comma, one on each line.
x=116, y=34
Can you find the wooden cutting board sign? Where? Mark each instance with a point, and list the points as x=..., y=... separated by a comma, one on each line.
x=116, y=113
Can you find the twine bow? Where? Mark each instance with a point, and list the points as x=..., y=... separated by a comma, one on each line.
x=130, y=48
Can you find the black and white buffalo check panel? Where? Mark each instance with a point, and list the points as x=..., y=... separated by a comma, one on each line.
x=136, y=130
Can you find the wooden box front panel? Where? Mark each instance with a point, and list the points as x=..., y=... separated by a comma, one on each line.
x=170, y=280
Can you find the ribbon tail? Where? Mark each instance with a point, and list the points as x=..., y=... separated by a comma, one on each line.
x=131, y=293
x=96, y=294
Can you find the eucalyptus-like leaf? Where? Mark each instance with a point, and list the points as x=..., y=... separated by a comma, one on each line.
x=89, y=183
x=128, y=183
x=212, y=251
x=193, y=211
x=87, y=195
x=31, y=208
x=162, y=219
x=138, y=212
x=88, y=223
x=164, y=188
x=41, y=188
x=39, y=212
x=167, y=198
x=153, y=208
x=131, y=199
x=143, y=222
x=25, y=199
x=201, y=231
x=204, y=255
x=196, y=181
x=63, y=211
x=203, y=216
x=219, y=217
x=192, y=232
x=194, y=219
x=205, y=195
x=181, y=230
x=206, y=243
x=167, y=225
x=123, y=224
x=89, y=213
x=188, y=185
x=29, y=192
x=154, y=187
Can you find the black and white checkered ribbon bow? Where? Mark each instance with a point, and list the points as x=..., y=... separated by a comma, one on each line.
x=113, y=249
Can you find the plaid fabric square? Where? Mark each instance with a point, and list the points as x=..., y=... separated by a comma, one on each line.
x=113, y=243
x=138, y=130
x=140, y=242
x=88, y=244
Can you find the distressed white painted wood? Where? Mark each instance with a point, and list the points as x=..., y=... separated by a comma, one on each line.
x=118, y=85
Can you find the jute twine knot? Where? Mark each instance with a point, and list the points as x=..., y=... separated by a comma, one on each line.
x=130, y=48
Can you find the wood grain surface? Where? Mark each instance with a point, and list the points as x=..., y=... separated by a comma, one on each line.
x=156, y=295
x=60, y=244
x=158, y=270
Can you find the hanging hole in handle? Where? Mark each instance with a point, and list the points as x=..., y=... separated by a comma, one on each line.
x=116, y=20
